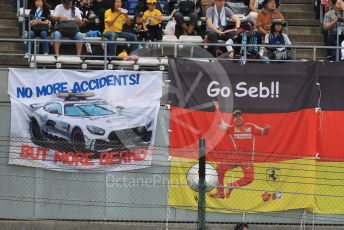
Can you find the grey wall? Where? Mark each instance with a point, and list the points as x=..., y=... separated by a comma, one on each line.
x=32, y=193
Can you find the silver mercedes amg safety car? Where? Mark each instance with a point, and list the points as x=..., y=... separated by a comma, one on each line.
x=88, y=124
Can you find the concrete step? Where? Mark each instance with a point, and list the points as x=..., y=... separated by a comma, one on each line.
x=8, y=23
x=9, y=32
x=309, y=43
x=299, y=15
x=6, y=1
x=11, y=46
x=6, y=7
x=306, y=38
x=7, y=15
x=296, y=2
x=303, y=30
x=308, y=54
x=303, y=22
x=297, y=8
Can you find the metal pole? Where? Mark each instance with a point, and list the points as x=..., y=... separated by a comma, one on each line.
x=201, y=185
x=105, y=55
x=339, y=31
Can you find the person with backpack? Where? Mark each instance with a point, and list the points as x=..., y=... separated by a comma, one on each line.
x=277, y=37
x=217, y=27
x=39, y=19
x=115, y=18
x=68, y=20
x=186, y=8
x=152, y=19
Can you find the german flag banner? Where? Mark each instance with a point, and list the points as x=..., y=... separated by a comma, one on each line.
x=260, y=126
x=330, y=164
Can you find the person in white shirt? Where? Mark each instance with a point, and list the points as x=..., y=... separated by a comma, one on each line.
x=66, y=12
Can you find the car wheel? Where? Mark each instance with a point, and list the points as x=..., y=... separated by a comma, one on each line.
x=36, y=134
x=78, y=141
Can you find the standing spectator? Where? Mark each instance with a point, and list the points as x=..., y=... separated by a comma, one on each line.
x=39, y=16
x=266, y=16
x=217, y=25
x=152, y=19
x=186, y=8
x=66, y=15
x=115, y=18
x=332, y=20
x=277, y=37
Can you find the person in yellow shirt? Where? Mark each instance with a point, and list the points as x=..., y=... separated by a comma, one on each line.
x=114, y=19
x=152, y=19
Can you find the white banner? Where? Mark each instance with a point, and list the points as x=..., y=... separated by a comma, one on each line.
x=71, y=120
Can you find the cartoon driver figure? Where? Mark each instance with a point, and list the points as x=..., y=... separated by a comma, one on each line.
x=242, y=137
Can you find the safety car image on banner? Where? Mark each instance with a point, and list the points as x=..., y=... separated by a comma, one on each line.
x=83, y=120
x=88, y=124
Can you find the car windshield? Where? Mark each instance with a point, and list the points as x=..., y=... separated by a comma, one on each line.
x=83, y=110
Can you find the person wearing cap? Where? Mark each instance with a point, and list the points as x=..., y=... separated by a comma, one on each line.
x=242, y=136
x=115, y=18
x=67, y=12
x=277, y=37
x=332, y=19
x=217, y=27
x=152, y=19
x=265, y=17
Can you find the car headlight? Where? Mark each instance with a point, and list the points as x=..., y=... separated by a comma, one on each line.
x=95, y=130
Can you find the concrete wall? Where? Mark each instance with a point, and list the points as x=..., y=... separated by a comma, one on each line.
x=32, y=193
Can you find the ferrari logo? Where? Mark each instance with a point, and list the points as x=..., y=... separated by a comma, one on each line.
x=273, y=176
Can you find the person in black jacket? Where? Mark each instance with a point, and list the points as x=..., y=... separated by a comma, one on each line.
x=39, y=20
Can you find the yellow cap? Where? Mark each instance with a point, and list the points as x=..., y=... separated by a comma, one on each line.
x=123, y=54
x=152, y=1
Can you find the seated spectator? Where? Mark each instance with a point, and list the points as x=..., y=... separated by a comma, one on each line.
x=255, y=8
x=68, y=19
x=99, y=7
x=39, y=16
x=186, y=8
x=267, y=14
x=115, y=18
x=217, y=25
x=246, y=35
x=85, y=7
x=241, y=226
x=277, y=37
x=152, y=19
x=139, y=31
x=332, y=19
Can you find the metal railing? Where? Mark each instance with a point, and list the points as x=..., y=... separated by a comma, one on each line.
x=191, y=50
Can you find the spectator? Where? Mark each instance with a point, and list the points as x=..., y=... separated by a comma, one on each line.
x=266, y=16
x=39, y=15
x=217, y=25
x=68, y=19
x=139, y=31
x=85, y=7
x=186, y=8
x=241, y=226
x=277, y=37
x=99, y=7
x=246, y=35
x=152, y=19
x=115, y=18
x=255, y=8
x=332, y=20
